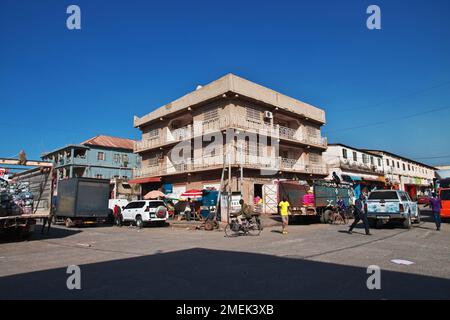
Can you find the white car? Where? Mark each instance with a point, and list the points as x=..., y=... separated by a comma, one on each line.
x=144, y=211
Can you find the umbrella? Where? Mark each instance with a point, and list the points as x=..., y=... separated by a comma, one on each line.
x=173, y=196
x=193, y=194
x=154, y=194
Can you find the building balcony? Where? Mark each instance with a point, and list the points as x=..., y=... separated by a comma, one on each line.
x=217, y=162
x=223, y=123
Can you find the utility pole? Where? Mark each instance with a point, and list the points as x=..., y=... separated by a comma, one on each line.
x=229, y=187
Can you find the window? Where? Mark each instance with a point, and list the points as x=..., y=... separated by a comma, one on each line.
x=314, y=158
x=125, y=158
x=311, y=132
x=365, y=158
x=379, y=162
x=211, y=115
x=445, y=194
x=387, y=162
x=383, y=195
x=403, y=197
x=404, y=168
x=154, y=133
x=371, y=160
x=116, y=157
x=101, y=156
x=409, y=167
x=135, y=205
x=355, y=156
x=344, y=153
x=253, y=115
x=155, y=204
x=398, y=164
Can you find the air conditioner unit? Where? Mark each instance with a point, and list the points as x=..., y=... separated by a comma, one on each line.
x=268, y=115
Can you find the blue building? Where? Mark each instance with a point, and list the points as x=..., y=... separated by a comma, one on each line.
x=102, y=157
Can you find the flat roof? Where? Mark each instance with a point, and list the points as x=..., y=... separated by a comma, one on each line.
x=235, y=84
x=398, y=156
x=347, y=146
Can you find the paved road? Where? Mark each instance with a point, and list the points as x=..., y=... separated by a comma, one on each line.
x=314, y=261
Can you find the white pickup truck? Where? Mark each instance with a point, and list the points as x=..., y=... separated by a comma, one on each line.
x=385, y=205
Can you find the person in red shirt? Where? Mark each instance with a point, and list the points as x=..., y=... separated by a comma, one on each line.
x=117, y=216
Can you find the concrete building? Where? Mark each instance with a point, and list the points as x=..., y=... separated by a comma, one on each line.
x=216, y=125
x=102, y=157
x=406, y=174
x=353, y=164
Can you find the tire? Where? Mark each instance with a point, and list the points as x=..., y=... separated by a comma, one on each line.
x=407, y=222
x=161, y=212
x=255, y=229
x=68, y=223
x=325, y=216
x=139, y=222
x=229, y=231
x=418, y=219
x=373, y=223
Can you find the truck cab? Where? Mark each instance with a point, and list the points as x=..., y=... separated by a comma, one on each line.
x=387, y=205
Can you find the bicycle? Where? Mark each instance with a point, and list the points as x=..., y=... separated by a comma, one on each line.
x=338, y=216
x=251, y=227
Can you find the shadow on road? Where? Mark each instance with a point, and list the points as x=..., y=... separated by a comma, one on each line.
x=55, y=233
x=215, y=274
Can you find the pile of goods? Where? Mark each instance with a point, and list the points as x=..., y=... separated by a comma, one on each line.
x=15, y=198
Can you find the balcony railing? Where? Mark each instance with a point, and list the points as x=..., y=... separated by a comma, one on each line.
x=223, y=123
x=250, y=161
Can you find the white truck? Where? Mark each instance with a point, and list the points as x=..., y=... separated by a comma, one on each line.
x=388, y=205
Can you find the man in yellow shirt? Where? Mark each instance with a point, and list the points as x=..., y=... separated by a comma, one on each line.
x=284, y=211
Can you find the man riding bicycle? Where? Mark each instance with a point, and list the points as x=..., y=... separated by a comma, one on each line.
x=245, y=213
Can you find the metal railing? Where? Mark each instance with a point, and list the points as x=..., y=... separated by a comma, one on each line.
x=248, y=160
x=223, y=123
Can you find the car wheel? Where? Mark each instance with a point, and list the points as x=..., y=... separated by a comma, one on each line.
x=407, y=222
x=373, y=223
x=139, y=222
x=68, y=222
x=325, y=217
x=418, y=219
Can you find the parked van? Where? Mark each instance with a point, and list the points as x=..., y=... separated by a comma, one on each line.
x=444, y=195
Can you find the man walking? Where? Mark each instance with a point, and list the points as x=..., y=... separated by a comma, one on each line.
x=284, y=212
x=117, y=215
x=435, y=204
x=360, y=214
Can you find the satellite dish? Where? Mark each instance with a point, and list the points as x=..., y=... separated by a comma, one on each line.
x=199, y=87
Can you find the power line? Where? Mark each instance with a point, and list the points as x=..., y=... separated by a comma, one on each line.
x=407, y=95
x=390, y=120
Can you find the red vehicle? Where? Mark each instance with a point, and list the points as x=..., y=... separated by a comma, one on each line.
x=444, y=195
x=423, y=200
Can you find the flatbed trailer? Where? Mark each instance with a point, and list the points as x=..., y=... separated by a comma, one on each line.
x=23, y=224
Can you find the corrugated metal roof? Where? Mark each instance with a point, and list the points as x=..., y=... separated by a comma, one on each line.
x=111, y=142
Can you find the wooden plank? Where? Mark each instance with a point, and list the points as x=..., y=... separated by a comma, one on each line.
x=27, y=216
x=31, y=163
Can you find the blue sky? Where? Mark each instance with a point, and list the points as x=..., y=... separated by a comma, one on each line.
x=59, y=86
